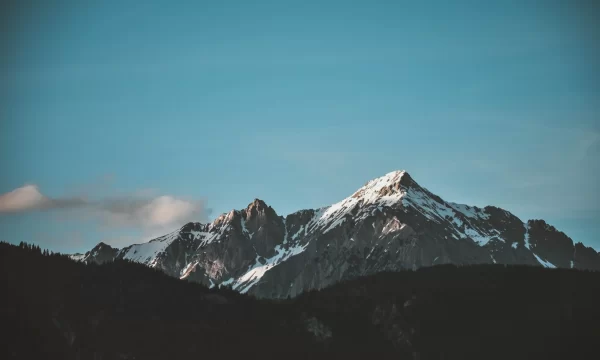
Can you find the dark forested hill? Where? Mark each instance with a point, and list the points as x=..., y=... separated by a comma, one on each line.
x=56, y=308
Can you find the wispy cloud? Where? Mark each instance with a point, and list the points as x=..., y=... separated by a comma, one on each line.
x=161, y=211
x=141, y=210
x=29, y=198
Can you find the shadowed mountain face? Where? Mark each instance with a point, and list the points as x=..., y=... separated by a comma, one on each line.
x=389, y=224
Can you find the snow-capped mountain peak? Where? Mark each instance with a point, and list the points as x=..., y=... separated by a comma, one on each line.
x=382, y=186
x=375, y=195
x=390, y=223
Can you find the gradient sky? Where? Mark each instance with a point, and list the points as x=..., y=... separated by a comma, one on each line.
x=211, y=104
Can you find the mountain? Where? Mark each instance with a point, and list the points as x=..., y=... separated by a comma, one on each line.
x=57, y=308
x=389, y=224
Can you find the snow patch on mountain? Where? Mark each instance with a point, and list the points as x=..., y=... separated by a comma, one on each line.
x=147, y=253
x=207, y=237
x=77, y=257
x=440, y=212
x=419, y=201
x=392, y=226
x=243, y=224
x=298, y=233
x=228, y=282
x=256, y=272
x=186, y=271
x=478, y=236
x=472, y=212
x=543, y=262
x=527, y=245
x=195, y=235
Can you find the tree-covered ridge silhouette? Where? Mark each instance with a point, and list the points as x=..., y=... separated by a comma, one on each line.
x=54, y=307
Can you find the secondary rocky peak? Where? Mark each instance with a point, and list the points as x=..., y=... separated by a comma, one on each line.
x=226, y=218
x=102, y=245
x=257, y=203
x=101, y=253
x=192, y=226
x=260, y=208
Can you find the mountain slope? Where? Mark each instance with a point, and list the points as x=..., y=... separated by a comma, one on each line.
x=389, y=224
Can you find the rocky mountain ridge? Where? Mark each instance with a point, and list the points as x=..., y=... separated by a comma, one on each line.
x=390, y=223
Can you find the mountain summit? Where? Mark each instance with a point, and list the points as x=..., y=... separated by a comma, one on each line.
x=390, y=223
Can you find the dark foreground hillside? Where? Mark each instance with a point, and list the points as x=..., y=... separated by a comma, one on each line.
x=54, y=308
x=473, y=312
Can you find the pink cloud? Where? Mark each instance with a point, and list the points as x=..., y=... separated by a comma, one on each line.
x=29, y=198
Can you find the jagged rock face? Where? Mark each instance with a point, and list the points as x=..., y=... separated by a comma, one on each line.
x=266, y=228
x=585, y=258
x=390, y=223
x=550, y=244
x=511, y=227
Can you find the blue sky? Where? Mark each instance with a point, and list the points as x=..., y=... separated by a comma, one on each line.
x=193, y=109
